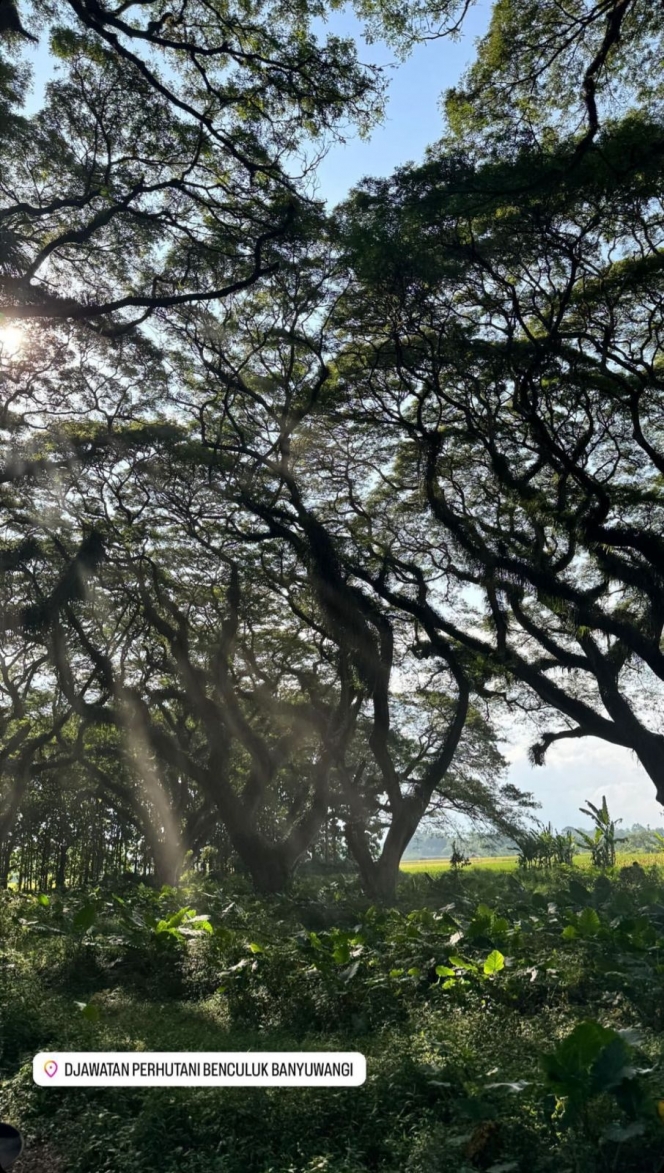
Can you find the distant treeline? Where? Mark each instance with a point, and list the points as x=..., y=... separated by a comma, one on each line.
x=474, y=843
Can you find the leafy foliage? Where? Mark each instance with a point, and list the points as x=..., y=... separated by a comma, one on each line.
x=500, y=1033
x=545, y=848
x=603, y=843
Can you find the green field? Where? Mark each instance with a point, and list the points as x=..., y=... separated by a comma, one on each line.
x=508, y=863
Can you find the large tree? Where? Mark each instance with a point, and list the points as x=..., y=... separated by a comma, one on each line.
x=262, y=406
x=227, y=637
x=339, y=491
x=504, y=337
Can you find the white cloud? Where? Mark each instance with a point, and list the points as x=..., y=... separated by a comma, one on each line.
x=576, y=771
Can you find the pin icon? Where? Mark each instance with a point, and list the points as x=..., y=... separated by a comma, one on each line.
x=50, y=1067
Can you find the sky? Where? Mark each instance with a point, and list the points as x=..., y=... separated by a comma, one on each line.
x=577, y=771
x=413, y=118
x=574, y=771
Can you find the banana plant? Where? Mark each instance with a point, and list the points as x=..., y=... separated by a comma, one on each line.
x=602, y=843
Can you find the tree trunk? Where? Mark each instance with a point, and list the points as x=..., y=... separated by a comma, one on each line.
x=9, y=812
x=168, y=859
x=5, y=862
x=61, y=873
x=269, y=869
x=271, y=865
x=380, y=876
x=649, y=748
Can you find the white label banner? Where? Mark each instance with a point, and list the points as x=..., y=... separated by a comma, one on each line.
x=199, y=1069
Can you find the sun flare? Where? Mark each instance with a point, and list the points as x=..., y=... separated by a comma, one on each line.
x=11, y=341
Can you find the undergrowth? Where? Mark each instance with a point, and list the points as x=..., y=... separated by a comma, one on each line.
x=510, y=1023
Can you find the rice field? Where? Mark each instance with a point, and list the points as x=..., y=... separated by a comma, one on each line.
x=508, y=863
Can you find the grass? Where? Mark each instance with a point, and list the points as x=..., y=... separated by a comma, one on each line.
x=508, y=863
x=493, y=863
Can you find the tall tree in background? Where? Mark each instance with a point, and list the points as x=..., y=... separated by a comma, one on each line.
x=272, y=448
x=202, y=668
x=227, y=636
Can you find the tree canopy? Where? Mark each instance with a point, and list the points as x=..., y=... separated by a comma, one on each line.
x=298, y=508
x=513, y=359
x=167, y=159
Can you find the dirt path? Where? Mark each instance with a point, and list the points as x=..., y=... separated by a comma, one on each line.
x=40, y=1159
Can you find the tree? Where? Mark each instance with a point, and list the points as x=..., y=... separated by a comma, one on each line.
x=38, y=732
x=204, y=668
x=503, y=336
x=32, y=720
x=253, y=536
x=162, y=168
x=270, y=450
x=229, y=641
x=167, y=167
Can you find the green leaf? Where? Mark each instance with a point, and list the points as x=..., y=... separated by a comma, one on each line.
x=196, y=925
x=590, y=1060
x=463, y=963
x=43, y=900
x=85, y=918
x=494, y=962
x=174, y=921
x=89, y=1010
x=341, y=953
x=588, y=922
x=254, y=948
x=612, y=1065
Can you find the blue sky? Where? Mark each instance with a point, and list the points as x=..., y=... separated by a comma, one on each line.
x=575, y=771
x=413, y=119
